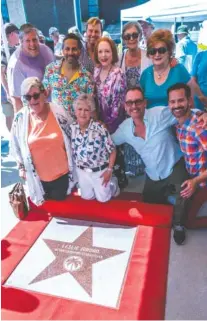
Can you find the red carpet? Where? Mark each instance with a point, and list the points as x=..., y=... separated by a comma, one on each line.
x=127, y=210
x=144, y=292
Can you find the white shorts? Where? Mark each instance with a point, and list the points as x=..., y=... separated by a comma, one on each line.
x=91, y=186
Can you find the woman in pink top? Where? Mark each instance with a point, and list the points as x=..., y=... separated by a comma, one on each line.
x=40, y=143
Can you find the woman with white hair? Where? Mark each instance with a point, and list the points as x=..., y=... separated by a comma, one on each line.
x=132, y=62
x=94, y=153
x=40, y=143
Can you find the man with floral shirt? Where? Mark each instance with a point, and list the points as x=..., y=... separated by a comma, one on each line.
x=66, y=79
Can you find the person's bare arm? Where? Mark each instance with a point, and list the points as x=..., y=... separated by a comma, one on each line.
x=4, y=80
x=107, y=174
x=17, y=103
x=189, y=186
x=195, y=89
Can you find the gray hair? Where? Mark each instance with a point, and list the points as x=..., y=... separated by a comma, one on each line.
x=130, y=25
x=30, y=82
x=88, y=99
x=26, y=29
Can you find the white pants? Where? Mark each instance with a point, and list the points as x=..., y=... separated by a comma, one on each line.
x=91, y=186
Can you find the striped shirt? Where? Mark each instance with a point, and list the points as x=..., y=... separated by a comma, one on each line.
x=193, y=143
x=85, y=59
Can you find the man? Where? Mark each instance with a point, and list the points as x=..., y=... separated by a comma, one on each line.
x=65, y=79
x=58, y=41
x=186, y=49
x=149, y=132
x=192, y=138
x=93, y=33
x=147, y=28
x=29, y=60
x=12, y=34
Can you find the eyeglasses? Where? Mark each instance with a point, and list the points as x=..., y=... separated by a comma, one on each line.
x=132, y=36
x=153, y=51
x=137, y=102
x=35, y=96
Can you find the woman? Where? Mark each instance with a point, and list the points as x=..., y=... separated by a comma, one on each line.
x=156, y=79
x=199, y=76
x=40, y=143
x=132, y=62
x=94, y=153
x=111, y=87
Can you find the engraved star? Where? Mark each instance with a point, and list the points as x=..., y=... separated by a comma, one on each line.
x=76, y=258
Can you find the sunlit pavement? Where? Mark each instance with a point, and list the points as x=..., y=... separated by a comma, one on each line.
x=187, y=278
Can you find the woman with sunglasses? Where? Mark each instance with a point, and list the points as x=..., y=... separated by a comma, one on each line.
x=111, y=87
x=156, y=79
x=40, y=143
x=133, y=61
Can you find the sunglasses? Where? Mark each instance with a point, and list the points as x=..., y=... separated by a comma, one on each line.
x=35, y=96
x=153, y=51
x=132, y=36
x=137, y=102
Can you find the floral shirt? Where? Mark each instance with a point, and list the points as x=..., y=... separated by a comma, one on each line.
x=91, y=149
x=111, y=96
x=133, y=76
x=64, y=92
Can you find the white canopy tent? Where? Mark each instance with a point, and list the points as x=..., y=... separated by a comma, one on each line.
x=168, y=11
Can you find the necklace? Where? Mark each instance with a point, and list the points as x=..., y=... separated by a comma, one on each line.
x=160, y=74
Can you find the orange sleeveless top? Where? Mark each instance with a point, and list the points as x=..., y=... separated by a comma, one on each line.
x=47, y=148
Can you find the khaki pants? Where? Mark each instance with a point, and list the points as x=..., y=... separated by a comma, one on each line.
x=159, y=191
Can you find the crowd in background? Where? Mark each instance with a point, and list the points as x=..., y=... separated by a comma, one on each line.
x=76, y=96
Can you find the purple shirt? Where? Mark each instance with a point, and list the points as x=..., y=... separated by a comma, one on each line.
x=111, y=97
x=21, y=66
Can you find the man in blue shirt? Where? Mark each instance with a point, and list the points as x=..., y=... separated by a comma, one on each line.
x=149, y=132
x=186, y=49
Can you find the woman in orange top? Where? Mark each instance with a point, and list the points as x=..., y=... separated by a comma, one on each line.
x=41, y=145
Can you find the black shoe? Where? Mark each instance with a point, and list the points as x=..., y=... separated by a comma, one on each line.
x=179, y=234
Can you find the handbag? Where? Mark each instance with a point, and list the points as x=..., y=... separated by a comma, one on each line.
x=18, y=201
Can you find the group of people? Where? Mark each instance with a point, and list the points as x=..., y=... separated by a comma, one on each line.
x=78, y=107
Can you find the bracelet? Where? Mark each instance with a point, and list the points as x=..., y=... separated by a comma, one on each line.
x=109, y=169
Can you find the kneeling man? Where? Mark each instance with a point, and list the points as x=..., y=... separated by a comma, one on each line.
x=192, y=137
x=94, y=153
x=149, y=132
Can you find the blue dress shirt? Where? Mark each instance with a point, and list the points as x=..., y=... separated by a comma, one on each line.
x=159, y=150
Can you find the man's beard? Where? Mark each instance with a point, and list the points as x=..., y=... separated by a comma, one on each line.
x=73, y=62
x=180, y=111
